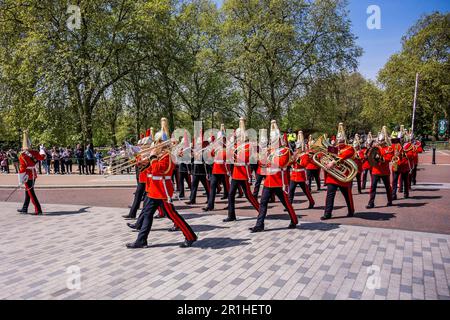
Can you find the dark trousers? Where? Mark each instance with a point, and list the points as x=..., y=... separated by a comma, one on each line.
x=235, y=184
x=258, y=181
x=267, y=193
x=358, y=182
x=315, y=173
x=364, y=178
x=413, y=175
x=69, y=166
x=404, y=181
x=151, y=205
x=217, y=179
x=29, y=194
x=196, y=179
x=374, y=185
x=293, y=185
x=81, y=167
x=140, y=190
x=331, y=194
x=183, y=176
x=56, y=166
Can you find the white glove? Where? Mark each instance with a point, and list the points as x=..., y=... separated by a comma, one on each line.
x=23, y=178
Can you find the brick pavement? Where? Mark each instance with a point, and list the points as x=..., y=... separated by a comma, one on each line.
x=315, y=261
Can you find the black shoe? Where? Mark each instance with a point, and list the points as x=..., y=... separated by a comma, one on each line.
x=174, y=229
x=228, y=219
x=223, y=198
x=394, y=197
x=134, y=245
x=206, y=209
x=226, y=208
x=132, y=225
x=389, y=204
x=311, y=206
x=187, y=243
x=189, y=202
x=325, y=217
x=370, y=206
x=22, y=211
x=285, y=210
x=350, y=214
x=256, y=229
x=292, y=226
x=157, y=216
x=406, y=196
x=240, y=196
x=127, y=217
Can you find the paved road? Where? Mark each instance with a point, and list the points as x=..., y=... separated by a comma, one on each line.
x=41, y=257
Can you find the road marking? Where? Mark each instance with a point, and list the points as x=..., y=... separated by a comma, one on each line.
x=432, y=185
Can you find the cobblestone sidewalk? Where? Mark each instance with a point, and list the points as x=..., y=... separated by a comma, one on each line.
x=315, y=261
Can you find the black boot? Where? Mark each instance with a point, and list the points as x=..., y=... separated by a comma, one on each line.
x=135, y=245
x=228, y=219
x=292, y=225
x=325, y=217
x=187, y=243
x=256, y=229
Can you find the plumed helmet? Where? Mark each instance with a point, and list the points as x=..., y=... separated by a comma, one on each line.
x=263, y=138
x=240, y=132
x=340, y=137
x=163, y=134
x=357, y=141
x=221, y=133
x=300, y=140
x=26, y=142
x=274, y=132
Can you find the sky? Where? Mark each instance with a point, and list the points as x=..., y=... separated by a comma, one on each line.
x=396, y=17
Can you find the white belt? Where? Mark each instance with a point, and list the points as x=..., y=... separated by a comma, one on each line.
x=149, y=176
x=298, y=170
x=33, y=167
x=219, y=161
x=273, y=170
x=240, y=164
x=198, y=162
x=161, y=177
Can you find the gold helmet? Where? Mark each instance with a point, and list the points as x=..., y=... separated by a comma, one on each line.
x=221, y=133
x=340, y=137
x=383, y=136
x=26, y=142
x=263, y=138
x=300, y=141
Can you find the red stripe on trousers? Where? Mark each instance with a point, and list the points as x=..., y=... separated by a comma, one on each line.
x=179, y=222
x=290, y=209
x=32, y=199
x=308, y=194
x=250, y=197
x=350, y=197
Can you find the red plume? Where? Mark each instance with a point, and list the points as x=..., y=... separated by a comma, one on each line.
x=147, y=133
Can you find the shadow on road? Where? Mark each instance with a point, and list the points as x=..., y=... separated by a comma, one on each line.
x=425, y=197
x=321, y=226
x=411, y=205
x=206, y=227
x=64, y=213
x=375, y=216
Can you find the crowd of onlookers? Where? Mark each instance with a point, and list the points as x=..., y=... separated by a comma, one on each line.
x=60, y=160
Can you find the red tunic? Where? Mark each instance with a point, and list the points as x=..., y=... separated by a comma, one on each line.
x=276, y=174
x=298, y=168
x=241, y=162
x=219, y=165
x=344, y=152
x=262, y=164
x=382, y=168
x=365, y=162
x=418, y=149
x=311, y=165
x=358, y=160
x=160, y=184
x=411, y=154
x=27, y=163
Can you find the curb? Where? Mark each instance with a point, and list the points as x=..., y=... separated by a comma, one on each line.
x=73, y=186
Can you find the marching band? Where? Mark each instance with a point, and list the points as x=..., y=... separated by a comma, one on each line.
x=279, y=166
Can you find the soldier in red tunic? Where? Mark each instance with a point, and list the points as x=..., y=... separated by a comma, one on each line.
x=141, y=170
x=343, y=152
x=417, y=149
x=27, y=174
x=160, y=192
x=358, y=160
x=241, y=172
x=365, y=162
x=220, y=171
x=312, y=170
x=381, y=170
x=298, y=175
x=276, y=181
x=400, y=164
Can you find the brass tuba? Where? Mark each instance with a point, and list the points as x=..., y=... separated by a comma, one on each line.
x=343, y=171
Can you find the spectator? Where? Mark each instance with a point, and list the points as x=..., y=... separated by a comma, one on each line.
x=68, y=159
x=14, y=159
x=56, y=160
x=79, y=154
x=4, y=162
x=44, y=162
x=90, y=159
x=99, y=157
